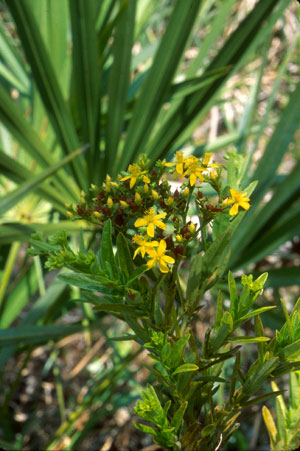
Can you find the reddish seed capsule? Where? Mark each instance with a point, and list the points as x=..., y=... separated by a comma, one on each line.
x=80, y=210
x=178, y=250
x=175, y=219
x=176, y=193
x=119, y=220
x=105, y=211
x=184, y=230
x=169, y=242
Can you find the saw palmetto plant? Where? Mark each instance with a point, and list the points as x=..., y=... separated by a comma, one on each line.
x=88, y=86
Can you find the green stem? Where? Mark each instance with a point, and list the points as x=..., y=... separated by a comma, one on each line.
x=154, y=294
x=9, y=266
x=39, y=275
x=171, y=296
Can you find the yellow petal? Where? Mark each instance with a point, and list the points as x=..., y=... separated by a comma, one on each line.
x=151, y=263
x=132, y=182
x=161, y=215
x=136, y=252
x=151, y=252
x=150, y=230
x=193, y=179
x=140, y=222
x=168, y=259
x=234, y=209
x=245, y=205
x=161, y=225
x=162, y=246
x=163, y=267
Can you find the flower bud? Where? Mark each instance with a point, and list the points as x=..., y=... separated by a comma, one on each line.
x=186, y=192
x=170, y=201
x=124, y=204
x=192, y=227
x=179, y=238
x=110, y=202
x=146, y=188
x=155, y=194
x=69, y=214
x=97, y=214
x=137, y=198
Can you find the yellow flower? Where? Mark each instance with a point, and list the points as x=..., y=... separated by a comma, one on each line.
x=151, y=220
x=144, y=245
x=180, y=162
x=194, y=171
x=158, y=256
x=238, y=199
x=135, y=171
x=208, y=164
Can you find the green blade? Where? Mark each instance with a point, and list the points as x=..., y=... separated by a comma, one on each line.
x=15, y=196
x=47, y=82
x=86, y=75
x=191, y=106
x=159, y=78
x=119, y=77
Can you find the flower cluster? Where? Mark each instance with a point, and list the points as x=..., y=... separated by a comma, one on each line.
x=142, y=203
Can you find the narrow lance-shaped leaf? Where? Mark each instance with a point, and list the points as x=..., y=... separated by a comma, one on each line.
x=22, y=131
x=46, y=81
x=188, y=109
x=160, y=75
x=86, y=76
x=11, y=199
x=119, y=77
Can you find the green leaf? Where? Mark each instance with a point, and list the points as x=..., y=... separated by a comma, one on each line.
x=178, y=417
x=15, y=196
x=158, y=82
x=119, y=78
x=85, y=282
x=119, y=308
x=36, y=334
x=144, y=428
x=258, y=399
x=256, y=312
x=46, y=81
x=182, y=118
x=177, y=351
x=185, y=368
x=214, y=253
x=220, y=336
x=194, y=277
x=290, y=352
x=247, y=339
x=281, y=413
x=86, y=76
x=136, y=274
x=124, y=256
x=255, y=381
x=233, y=295
x=106, y=249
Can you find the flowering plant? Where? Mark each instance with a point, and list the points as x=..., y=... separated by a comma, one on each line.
x=165, y=235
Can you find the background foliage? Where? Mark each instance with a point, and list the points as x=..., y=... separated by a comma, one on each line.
x=86, y=87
